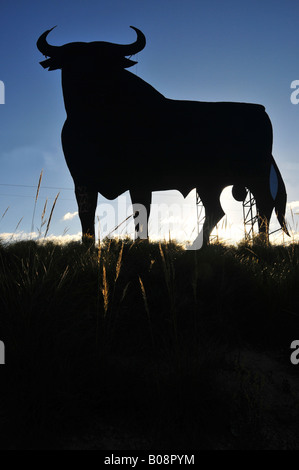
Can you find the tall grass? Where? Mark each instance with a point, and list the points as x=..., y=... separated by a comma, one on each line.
x=145, y=334
x=44, y=221
x=36, y=198
x=145, y=337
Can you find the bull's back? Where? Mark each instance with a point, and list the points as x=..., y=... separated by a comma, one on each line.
x=219, y=119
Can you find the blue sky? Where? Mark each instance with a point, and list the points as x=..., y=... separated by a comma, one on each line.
x=196, y=50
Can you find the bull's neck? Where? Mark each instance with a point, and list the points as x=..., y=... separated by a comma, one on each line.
x=81, y=94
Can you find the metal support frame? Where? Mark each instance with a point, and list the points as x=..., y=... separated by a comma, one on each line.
x=250, y=216
x=199, y=208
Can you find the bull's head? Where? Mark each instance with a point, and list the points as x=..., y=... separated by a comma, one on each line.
x=105, y=52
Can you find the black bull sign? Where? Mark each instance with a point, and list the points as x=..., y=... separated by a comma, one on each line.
x=121, y=134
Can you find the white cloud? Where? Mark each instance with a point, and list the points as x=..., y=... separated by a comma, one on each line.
x=69, y=215
x=21, y=236
x=293, y=205
x=13, y=236
x=64, y=238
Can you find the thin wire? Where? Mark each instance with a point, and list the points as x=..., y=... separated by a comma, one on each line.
x=66, y=189
x=34, y=186
x=32, y=197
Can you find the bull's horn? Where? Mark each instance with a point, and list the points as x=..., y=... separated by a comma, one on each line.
x=43, y=45
x=137, y=46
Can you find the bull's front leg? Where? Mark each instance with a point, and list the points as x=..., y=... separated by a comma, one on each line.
x=211, y=200
x=87, y=203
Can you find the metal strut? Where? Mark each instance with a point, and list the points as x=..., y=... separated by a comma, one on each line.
x=250, y=216
x=199, y=209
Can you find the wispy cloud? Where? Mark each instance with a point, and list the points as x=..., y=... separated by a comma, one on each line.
x=69, y=215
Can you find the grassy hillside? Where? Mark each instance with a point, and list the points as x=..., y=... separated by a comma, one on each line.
x=147, y=346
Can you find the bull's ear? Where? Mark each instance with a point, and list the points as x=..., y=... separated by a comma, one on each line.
x=126, y=63
x=51, y=63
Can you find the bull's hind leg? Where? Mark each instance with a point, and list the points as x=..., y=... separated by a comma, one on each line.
x=141, y=201
x=264, y=208
x=214, y=213
x=87, y=203
x=264, y=204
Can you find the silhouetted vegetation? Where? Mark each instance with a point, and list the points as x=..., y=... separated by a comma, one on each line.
x=148, y=346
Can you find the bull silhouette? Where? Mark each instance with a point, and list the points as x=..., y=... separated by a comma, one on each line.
x=121, y=134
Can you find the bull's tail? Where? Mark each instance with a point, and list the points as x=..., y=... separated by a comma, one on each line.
x=279, y=195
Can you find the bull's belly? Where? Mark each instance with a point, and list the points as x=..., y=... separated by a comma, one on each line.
x=114, y=164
